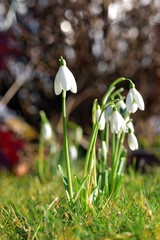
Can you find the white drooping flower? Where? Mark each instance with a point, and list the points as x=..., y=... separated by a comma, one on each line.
x=64, y=79
x=73, y=152
x=130, y=127
x=100, y=117
x=134, y=100
x=47, y=131
x=104, y=149
x=132, y=141
x=117, y=122
x=122, y=104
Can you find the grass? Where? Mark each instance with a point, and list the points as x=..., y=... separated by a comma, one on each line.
x=31, y=210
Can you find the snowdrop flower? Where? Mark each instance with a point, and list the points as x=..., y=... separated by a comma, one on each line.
x=108, y=113
x=101, y=121
x=117, y=122
x=122, y=104
x=47, y=131
x=130, y=127
x=104, y=149
x=64, y=79
x=132, y=141
x=73, y=152
x=134, y=100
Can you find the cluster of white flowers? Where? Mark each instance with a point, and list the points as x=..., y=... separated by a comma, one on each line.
x=134, y=101
x=65, y=80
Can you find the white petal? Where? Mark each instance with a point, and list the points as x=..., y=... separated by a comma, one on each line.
x=98, y=113
x=134, y=107
x=122, y=122
x=73, y=88
x=104, y=149
x=73, y=152
x=108, y=113
x=112, y=126
x=138, y=99
x=47, y=131
x=101, y=121
x=65, y=77
x=122, y=104
x=117, y=122
x=57, y=87
x=129, y=101
x=130, y=126
x=64, y=80
x=124, y=128
x=112, y=123
x=132, y=141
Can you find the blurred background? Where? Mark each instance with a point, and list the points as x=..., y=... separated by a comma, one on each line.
x=101, y=41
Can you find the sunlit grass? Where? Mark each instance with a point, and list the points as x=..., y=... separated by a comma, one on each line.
x=31, y=210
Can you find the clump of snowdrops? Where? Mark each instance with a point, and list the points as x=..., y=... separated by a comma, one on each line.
x=111, y=121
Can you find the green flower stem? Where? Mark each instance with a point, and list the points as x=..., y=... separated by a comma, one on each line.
x=92, y=163
x=113, y=145
x=117, y=161
x=117, y=93
x=120, y=145
x=107, y=144
x=111, y=89
x=93, y=137
x=117, y=142
x=41, y=155
x=66, y=148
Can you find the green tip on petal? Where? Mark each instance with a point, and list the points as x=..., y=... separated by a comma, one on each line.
x=62, y=61
x=129, y=130
x=131, y=85
x=114, y=108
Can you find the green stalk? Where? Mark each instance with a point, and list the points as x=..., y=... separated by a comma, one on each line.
x=116, y=161
x=114, y=158
x=91, y=182
x=111, y=89
x=107, y=143
x=93, y=136
x=92, y=163
x=117, y=157
x=113, y=146
x=41, y=155
x=66, y=147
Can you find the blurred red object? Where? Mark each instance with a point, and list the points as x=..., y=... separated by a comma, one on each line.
x=8, y=48
x=10, y=147
x=15, y=142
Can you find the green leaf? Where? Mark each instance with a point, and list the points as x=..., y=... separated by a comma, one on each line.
x=80, y=189
x=64, y=179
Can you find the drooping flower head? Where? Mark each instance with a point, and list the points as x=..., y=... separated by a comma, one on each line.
x=64, y=79
x=47, y=131
x=117, y=122
x=122, y=104
x=130, y=126
x=132, y=141
x=134, y=100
